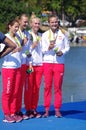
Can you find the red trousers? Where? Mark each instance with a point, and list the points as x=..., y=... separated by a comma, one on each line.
x=11, y=81
x=31, y=93
x=21, y=87
x=53, y=72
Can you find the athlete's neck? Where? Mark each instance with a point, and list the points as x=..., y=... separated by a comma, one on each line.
x=11, y=34
x=35, y=32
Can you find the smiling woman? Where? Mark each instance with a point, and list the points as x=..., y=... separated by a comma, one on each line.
x=11, y=66
x=54, y=47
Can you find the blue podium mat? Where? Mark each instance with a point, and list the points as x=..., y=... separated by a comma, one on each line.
x=74, y=118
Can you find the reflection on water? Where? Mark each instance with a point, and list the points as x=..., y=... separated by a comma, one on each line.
x=74, y=84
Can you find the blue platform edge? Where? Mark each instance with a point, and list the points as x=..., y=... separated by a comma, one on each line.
x=74, y=118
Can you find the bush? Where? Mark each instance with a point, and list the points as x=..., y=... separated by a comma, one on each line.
x=3, y=27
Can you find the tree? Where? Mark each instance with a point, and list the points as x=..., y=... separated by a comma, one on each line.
x=9, y=9
x=71, y=10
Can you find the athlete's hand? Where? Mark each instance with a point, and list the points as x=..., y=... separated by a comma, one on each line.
x=59, y=53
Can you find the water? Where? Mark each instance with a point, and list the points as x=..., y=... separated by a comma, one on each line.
x=74, y=84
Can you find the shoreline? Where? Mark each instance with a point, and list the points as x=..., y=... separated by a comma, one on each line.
x=77, y=44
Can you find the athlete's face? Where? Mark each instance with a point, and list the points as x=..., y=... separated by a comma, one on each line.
x=14, y=28
x=53, y=22
x=35, y=25
x=24, y=22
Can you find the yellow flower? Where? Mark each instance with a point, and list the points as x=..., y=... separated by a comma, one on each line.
x=26, y=52
x=38, y=38
x=56, y=49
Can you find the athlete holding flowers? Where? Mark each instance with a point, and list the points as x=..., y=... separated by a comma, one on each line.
x=34, y=78
x=54, y=47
